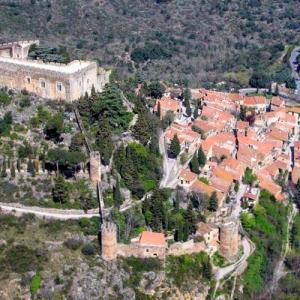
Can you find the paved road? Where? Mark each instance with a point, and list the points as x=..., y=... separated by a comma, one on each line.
x=294, y=74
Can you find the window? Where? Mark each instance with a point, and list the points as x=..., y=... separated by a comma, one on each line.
x=43, y=84
x=59, y=86
x=147, y=250
x=28, y=80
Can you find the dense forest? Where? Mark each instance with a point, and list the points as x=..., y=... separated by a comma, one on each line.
x=200, y=42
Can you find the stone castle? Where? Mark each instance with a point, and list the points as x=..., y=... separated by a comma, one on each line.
x=223, y=237
x=48, y=80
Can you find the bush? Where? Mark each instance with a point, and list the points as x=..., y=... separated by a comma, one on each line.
x=5, y=99
x=21, y=259
x=88, y=250
x=73, y=244
x=35, y=283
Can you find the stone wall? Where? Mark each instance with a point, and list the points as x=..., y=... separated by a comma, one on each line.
x=142, y=251
x=188, y=247
x=95, y=167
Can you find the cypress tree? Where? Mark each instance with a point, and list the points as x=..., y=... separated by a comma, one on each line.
x=30, y=168
x=207, y=269
x=3, y=172
x=104, y=141
x=213, y=202
x=158, y=110
x=196, y=113
x=201, y=157
x=12, y=170
x=18, y=165
x=117, y=194
x=194, y=164
x=297, y=196
x=141, y=129
x=175, y=146
x=60, y=192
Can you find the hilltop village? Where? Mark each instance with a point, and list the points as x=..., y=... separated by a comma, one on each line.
x=159, y=172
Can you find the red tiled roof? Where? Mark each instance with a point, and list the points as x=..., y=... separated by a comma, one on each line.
x=277, y=101
x=254, y=100
x=152, y=238
x=188, y=175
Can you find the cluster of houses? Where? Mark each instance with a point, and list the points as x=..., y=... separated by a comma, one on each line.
x=264, y=141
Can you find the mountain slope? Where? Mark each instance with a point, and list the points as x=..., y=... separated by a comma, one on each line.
x=185, y=39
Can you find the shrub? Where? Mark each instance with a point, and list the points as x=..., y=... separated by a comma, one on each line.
x=21, y=259
x=35, y=283
x=88, y=250
x=73, y=244
x=5, y=99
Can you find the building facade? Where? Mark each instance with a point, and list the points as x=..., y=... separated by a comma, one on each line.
x=48, y=80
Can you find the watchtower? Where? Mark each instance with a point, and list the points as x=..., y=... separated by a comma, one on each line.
x=95, y=167
x=109, y=241
x=229, y=239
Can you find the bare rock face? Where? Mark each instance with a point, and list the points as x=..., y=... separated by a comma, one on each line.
x=95, y=283
x=151, y=281
x=13, y=289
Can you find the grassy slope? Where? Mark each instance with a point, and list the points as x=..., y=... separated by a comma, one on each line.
x=205, y=38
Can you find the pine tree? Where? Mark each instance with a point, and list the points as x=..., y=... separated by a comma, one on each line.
x=213, y=202
x=117, y=194
x=60, y=191
x=175, y=146
x=194, y=164
x=12, y=170
x=201, y=157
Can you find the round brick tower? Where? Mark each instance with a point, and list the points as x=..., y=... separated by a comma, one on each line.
x=95, y=167
x=229, y=239
x=109, y=241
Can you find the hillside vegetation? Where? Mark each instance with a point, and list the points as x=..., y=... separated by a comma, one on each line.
x=178, y=40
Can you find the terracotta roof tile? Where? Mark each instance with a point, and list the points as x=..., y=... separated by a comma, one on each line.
x=152, y=239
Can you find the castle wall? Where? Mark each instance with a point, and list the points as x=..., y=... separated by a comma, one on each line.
x=17, y=78
x=83, y=82
x=188, y=247
x=138, y=250
x=56, y=85
x=95, y=167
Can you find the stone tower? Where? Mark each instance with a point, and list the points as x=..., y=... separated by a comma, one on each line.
x=229, y=239
x=109, y=241
x=95, y=167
